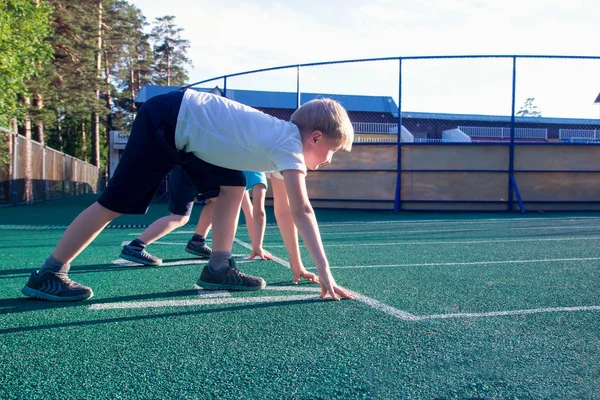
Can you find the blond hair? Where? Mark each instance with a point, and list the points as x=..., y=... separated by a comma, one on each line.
x=327, y=116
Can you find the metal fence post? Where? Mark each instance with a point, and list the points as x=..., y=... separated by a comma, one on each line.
x=398, y=199
x=44, y=180
x=511, y=157
x=64, y=174
x=15, y=193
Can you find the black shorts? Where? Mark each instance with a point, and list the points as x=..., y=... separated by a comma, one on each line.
x=182, y=193
x=150, y=155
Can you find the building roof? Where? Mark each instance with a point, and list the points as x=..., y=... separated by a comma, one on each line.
x=498, y=118
x=381, y=104
x=285, y=100
x=597, y=99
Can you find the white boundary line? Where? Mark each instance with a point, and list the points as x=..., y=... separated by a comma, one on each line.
x=512, y=312
x=191, y=261
x=544, y=260
x=363, y=299
x=405, y=316
x=440, y=242
x=219, y=298
x=203, y=302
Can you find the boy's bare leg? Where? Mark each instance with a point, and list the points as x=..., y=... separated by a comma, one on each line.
x=205, y=219
x=82, y=231
x=197, y=244
x=163, y=226
x=51, y=281
x=225, y=219
x=219, y=274
x=259, y=223
x=247, y=210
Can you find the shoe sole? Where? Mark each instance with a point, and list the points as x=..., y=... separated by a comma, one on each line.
x=194, y=252
x=217, y=286
x=36, y=294
x=139, y=261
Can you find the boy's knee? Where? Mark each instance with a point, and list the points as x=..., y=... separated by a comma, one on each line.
x=180, y=220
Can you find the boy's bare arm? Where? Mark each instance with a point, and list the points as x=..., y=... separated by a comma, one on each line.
x=288, y=231
x=306, y=222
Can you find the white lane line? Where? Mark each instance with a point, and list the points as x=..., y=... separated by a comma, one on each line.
x=462, y=221
x=294, y=288
x=159, y=242
x=363, y=299
x=204, y=302
x=495, y=229
x=276, y=259
x=512, y=312
x=290, y=288
x=441, y=242
x=211, y=293
x=191, y=261
x=469, y=263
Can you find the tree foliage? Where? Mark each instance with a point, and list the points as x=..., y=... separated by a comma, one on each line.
x=528, y=109
x=24, y=27
x=80, y=66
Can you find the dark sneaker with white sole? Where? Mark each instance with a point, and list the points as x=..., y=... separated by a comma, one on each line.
x=198, y=250
x=229, y=279
x=55, y=286
x=140, y=257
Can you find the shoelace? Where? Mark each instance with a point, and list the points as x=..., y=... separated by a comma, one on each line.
x=64, y=278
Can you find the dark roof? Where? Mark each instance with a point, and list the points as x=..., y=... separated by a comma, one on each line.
x=382, y=104
x=497, y=118
x=285, y=100
x=597, y=99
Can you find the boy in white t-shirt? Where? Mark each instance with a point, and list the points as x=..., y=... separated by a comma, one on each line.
x=213, y=139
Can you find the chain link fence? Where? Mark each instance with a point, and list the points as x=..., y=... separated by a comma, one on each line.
x=30, y=172
x=488, y=133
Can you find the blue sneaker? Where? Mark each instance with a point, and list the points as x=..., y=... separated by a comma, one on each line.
x=229, y=279
x=55, y=286
x=140, y=257
x=202, y=251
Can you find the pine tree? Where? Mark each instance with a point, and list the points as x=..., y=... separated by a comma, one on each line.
x=169, y=52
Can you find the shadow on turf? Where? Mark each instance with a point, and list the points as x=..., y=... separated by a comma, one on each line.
x=25, y=272
x=29, y=305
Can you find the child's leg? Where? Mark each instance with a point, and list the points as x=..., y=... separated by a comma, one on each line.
x=51, y=281
x=225, y=221
x=136, y=250
x=163, y=226
x=84, y=228
x=247, y=210
x=206, y=217
x=147, y=159
x=197, y=244
x=220, y=273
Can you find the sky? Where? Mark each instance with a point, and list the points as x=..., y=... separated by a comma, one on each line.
x=229, y=36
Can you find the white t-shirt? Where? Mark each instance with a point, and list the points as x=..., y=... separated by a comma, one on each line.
x=231, y=135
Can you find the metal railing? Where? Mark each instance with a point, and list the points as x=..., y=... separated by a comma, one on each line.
x=579, y=134
x=504, y=133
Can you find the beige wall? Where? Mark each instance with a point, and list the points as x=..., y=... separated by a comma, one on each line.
x=366, y=177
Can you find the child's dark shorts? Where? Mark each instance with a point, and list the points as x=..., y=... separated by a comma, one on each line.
x=150, y=155
x=182, y=193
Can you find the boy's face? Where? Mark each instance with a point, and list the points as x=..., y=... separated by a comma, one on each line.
x=318, y=150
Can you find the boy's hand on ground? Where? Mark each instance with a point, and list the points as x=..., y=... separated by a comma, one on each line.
x=261, y=254
x=328, y=286
x=303, y=273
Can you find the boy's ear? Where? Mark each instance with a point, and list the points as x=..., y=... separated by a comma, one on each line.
x=316, y=136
